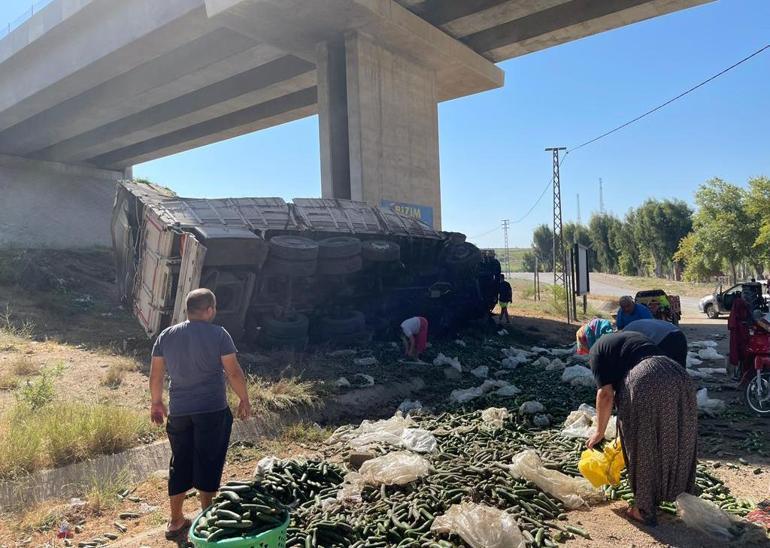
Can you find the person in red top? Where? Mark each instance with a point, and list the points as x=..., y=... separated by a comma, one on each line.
x=738, y=325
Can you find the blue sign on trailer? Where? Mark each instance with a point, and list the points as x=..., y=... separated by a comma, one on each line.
x=419, y=212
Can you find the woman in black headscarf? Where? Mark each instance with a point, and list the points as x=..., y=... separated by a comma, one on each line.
x=657, y=418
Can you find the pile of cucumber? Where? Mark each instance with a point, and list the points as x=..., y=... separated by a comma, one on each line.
x=241, y=509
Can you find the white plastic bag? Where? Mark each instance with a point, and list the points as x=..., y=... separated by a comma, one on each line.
x=542, y=361
x=531, y=408
x=573, y=492
x=467, y=394
x=480, y=526
x=556, y=365
x=704, y=516
x=540, y=350
x=698, y=374
x=564, y=351
x=379, y=432
x=582, y=424
x=363, y=381
x=460, y=342
x=704, y=344
x=409, y=405
x=481, y=372
x=577, y=375
x=371, y=360
x=398, y=468
x=709, y=406
x=494, y=417
x=265, y=465
x=445, y=360
x=342, y=382
x=508, y=390
x=418, y=440
x=709, y=353
x=692, y=359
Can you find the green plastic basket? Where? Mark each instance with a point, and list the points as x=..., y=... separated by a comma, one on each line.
x=274, y=538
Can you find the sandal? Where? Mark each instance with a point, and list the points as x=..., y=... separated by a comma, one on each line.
x=646, y=520
x=177, y=533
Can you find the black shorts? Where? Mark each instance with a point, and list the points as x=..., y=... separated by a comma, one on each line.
x=674, y=346
x=198, y=449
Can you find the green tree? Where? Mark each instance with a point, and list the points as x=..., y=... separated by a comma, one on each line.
x=630, y=258
x=542, y=247
x=574, y=233
x=659, y=227
x=601, y=231
x=699, y=266
x=758, y=208
x=723, y=227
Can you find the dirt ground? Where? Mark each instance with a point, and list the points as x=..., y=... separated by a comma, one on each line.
x=78, y=324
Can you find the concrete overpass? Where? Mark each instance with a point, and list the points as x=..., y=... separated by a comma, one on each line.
x=107, y=84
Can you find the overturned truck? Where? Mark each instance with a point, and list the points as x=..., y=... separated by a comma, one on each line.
x=285, y=274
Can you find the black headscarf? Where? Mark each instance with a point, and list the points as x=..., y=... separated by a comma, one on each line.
x=614, y=355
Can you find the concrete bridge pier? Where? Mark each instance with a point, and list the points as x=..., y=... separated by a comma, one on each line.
x=378, y=119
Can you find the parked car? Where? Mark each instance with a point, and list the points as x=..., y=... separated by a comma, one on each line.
x=721, y=301
x=663, y=307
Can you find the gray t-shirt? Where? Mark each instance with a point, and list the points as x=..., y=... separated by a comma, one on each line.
x=193, y=352
x=655, y=330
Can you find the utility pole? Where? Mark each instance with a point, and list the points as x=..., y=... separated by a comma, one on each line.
x=558, y=243
x=579, y=220
x=506, y=225
x=601, y=196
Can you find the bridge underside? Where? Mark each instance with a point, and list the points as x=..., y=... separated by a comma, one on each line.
x=114, y=83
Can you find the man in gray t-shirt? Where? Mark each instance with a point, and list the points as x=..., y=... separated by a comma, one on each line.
x=200, y=358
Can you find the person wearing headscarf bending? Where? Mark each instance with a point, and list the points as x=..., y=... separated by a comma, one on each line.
x=657, y=418
x=589, y=333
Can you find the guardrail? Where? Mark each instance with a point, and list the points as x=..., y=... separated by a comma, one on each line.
x=35, y=7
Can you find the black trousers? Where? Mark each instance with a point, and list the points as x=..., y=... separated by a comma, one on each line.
x=674, y=346
x=198, y=449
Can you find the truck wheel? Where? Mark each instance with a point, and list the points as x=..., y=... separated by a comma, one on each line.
x=712, y=312
x=293, y=248
x=296, y=269
x=340, y=247
x=352, y=322
x=272, y=342
x=381, y=251
x=290, y=328
x=462, y=255
x=338, y=267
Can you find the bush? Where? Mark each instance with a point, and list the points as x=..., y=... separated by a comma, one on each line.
x=24, y=367
x=37, y=393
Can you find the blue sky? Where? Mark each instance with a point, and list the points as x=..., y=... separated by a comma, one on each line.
x=492, y=161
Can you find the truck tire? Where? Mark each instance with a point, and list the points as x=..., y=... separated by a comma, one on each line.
x=381, y=251
x=291, y=328
x=295, y=269
x=339, y=247
x=712, y=312
x=463, y=255
x=338, y=267
x=271, y=342
x=293, y=248
x=352, y=322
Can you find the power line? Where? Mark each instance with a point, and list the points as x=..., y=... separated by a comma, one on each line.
x=545, y=191
x=652, y=111
x=485, y=233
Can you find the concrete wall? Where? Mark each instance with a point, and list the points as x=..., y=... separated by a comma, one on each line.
x=45, y=204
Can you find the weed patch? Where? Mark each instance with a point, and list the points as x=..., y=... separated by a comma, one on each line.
x=116, y=373
x=60, y=433
x=8, y=381
x=24, y=367
x=284, y=395
x=102, y=493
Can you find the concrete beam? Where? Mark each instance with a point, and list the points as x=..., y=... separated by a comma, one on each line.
x=566, y=22
x=132, y=91
x=298, y=26
x=268, y=81
x=95, y=43
x=283, y=109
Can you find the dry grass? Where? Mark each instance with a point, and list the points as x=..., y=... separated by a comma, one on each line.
x=102, y=493
x=282, y=396
x=305, y=433
x=24, y=367
x=8, y=381
x=61, y=433
x=116, y=373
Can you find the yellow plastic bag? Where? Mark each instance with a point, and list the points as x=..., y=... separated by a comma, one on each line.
x=603, y=467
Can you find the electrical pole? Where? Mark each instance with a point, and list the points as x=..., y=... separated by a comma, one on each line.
x=579, y=220
x=558, y=243
x=506, y=224
x=601, y=196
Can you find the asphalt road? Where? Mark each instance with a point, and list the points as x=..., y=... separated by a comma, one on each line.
x=689, y=304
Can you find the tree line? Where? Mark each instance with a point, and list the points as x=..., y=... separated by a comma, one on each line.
x=727, y=234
